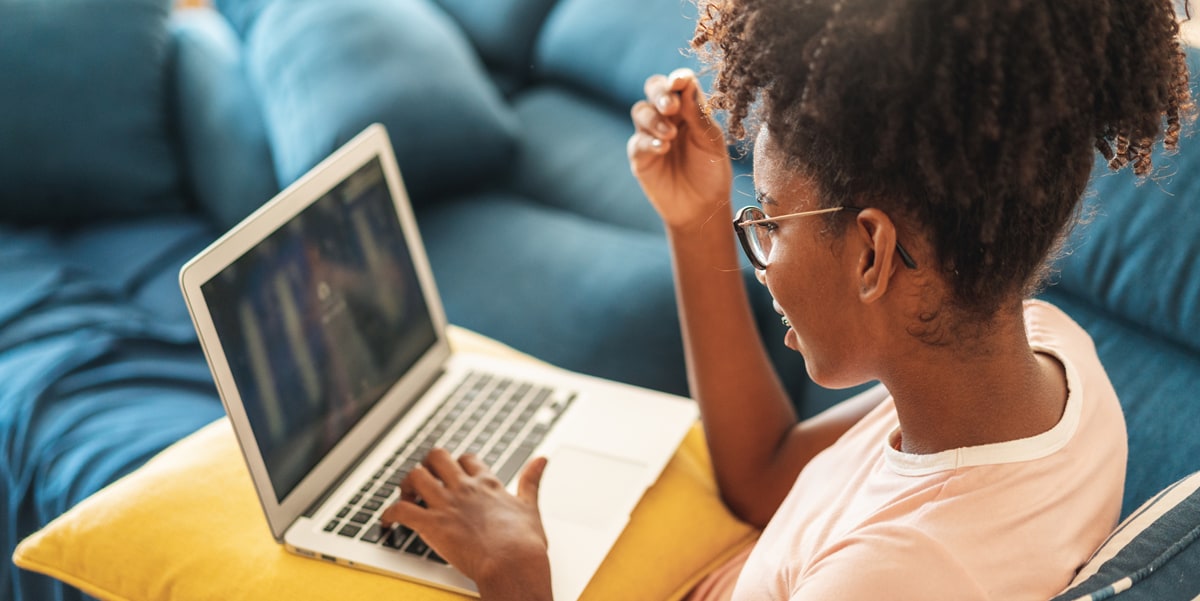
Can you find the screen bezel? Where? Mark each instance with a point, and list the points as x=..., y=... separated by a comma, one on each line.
x=371, y=144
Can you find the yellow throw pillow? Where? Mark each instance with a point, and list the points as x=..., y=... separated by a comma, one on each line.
x=187, y=525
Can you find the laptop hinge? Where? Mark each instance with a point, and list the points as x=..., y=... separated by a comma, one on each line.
x=312, y=509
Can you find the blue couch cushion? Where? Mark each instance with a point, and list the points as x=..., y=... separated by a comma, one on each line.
x=241, y=14
x=1135, y=254
x=83, y=119
x=326, y=70
x=225, y=150
x=608, y=47
x=503, y=32
x=580, y=294
x=569, y=150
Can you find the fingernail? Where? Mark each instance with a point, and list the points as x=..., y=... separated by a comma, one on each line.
x=663, y=128
x=680, y=73
x=664, y=102
x=656, y=143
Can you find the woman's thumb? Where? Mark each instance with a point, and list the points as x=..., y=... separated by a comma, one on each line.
x=531, y=480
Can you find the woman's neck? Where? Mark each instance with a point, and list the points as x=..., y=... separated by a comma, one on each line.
x=990, y=389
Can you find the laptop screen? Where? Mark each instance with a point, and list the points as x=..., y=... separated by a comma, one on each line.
x=318, y=321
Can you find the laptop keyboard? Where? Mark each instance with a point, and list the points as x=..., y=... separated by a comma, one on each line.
x=496, y=418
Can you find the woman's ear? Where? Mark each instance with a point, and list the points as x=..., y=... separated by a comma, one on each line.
x=877, y=262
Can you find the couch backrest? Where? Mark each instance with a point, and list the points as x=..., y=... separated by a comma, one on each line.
x=607, y=48
x=503, y=32
x=84, y=130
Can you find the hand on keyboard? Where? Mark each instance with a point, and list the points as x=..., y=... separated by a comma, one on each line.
x=491, y=536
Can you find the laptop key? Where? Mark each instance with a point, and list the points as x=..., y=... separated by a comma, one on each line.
x=361, y=517
x=416, y=546
x=374, y=533
x=349, y=530
x=433, y=556
x=398, y=535
x=372, y=505
x=343, y=512
x=514, y=462
x=331, y=526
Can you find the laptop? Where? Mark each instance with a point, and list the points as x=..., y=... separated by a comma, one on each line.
x=323, y=328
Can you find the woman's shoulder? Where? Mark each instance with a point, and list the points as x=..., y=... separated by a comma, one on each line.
x=1045, y=322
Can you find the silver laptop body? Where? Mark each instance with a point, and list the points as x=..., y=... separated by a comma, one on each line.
x=326, y=338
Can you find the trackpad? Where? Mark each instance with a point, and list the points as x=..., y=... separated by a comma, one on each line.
x=590, y=489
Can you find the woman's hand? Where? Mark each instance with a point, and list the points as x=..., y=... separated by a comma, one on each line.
x=677, y=153
x=494, y=538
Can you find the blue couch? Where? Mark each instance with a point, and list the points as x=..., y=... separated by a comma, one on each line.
x=131, y=136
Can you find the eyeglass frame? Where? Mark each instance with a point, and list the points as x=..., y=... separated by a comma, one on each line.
x=739, y=223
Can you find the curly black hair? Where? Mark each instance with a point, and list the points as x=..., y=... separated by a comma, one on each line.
x=975, y=120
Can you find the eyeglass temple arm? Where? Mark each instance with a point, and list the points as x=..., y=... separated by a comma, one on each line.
x=905, y=257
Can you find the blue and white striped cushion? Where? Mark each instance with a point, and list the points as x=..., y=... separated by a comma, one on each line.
x=1152, y=555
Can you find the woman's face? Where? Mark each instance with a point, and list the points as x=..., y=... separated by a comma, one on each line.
x=809, y=271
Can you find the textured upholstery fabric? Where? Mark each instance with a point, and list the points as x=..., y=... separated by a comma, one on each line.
x=608, y=47
x=228, y=160
x=406, y=66
x=503, y=31
x=100, y=366
x=598, y=290
x=114, y=544
x=1136, y=258
x=241, y=14
x=569, y=148
x=83, y=84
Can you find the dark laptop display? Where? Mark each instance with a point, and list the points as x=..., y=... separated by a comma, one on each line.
x=318, y=321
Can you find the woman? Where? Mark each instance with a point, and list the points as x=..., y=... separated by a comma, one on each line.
x=916, y=164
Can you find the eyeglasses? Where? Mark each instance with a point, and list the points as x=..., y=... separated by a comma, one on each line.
x=754, y=229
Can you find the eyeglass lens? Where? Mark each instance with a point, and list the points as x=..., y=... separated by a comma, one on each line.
x=757, y=235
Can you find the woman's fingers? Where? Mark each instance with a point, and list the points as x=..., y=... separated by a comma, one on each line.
x=657, y=91
x=472, y=465
x=404, y=512
x=421, y=484
x=677, y=95
x=444, y=467
x=670, y=93
x=647, y=119
x=642, y=147
x=677, y=101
